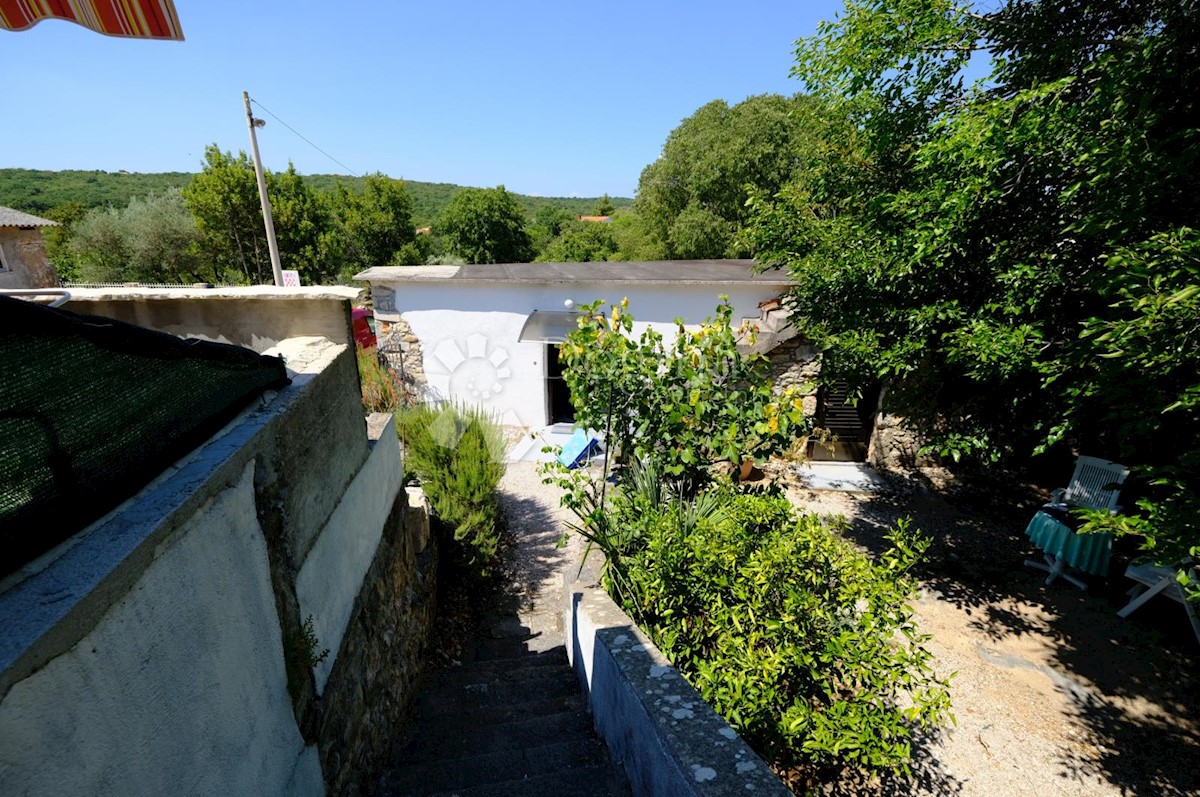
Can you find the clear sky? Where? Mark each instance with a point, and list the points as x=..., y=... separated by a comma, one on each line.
x=549, y=98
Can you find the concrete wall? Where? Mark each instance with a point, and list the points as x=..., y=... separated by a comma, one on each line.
x=161, y=650
x=468, y=332
x=332, y=573
x=24, y=260
x=184, y=670
x=257, y=318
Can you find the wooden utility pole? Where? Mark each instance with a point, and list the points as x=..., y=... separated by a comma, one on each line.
x=252, y=123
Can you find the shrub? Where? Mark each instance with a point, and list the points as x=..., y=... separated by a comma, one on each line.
x=688, y=404
x=381, y=392
x=801, y=641
x=458, y=454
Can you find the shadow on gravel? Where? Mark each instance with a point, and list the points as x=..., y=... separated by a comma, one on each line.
x=1142, y=706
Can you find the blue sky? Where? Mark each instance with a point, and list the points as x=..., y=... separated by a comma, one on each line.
x=549, y=98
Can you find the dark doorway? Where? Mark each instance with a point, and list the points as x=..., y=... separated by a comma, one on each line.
x=850, y=424
x=558, y=395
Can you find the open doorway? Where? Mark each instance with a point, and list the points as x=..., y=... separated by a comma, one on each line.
x=849, y=423
x=558, y=395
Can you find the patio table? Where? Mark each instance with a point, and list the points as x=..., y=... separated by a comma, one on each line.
x=1064, y=548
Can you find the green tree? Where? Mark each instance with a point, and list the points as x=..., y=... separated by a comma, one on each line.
x=548, y=222
x=153, y=239
x=303, y=228
x=693, y=198
x=376, y=225
x=224, y=199
x=1018, y=256
x=604, y=206
x=634, y=240
x=684, y=403
x=581, y=242
x=486, y=225
x=58, y=239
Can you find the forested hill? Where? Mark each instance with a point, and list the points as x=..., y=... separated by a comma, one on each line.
x=38, y=191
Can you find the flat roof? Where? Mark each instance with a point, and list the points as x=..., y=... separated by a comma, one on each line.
x=669, y=272
x=134, y=293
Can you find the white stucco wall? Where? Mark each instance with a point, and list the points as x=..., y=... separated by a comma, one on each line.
x=184, y=671
x=468, y=331
x=333, y=571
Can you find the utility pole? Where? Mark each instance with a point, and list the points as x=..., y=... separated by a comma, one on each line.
x=252, y=123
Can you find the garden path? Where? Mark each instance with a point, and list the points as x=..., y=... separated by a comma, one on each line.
x=508, y=717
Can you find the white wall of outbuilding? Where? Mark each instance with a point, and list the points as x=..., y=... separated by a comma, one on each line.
x=468, y=331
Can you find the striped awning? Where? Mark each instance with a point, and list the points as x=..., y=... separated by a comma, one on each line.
x=143, y=19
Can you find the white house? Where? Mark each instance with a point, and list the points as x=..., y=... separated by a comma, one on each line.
x=487, y=334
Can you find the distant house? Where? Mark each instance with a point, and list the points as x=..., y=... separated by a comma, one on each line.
x=596, y=219
x=23, y=262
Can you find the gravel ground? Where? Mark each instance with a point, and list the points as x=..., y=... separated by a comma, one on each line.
x=536, y=522
x=1053, y=694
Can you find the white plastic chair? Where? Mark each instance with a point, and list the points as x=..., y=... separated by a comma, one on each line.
x=1095, y=484
x=1157, y=579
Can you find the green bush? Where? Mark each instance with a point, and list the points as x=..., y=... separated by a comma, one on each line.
x=802, y=642
x=381, y=391
x=457, y=452
x=687, y=404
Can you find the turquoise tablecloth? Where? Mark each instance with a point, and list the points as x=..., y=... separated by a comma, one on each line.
x=1086, y=552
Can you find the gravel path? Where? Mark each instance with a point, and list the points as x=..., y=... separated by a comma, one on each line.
x=537, y=521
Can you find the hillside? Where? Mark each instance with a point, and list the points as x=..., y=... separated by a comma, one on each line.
x=37, y=191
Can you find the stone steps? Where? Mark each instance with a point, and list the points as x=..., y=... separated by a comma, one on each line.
x=595, y=781
x=771, y=328
x=493, y=769
x=512, y=724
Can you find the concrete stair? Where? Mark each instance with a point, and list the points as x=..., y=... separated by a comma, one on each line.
x=510, y=722
x=771, y=328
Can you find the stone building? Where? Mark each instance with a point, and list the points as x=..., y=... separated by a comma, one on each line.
x=23, y=262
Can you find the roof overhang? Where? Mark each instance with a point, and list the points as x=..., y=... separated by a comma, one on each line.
x=548, y=326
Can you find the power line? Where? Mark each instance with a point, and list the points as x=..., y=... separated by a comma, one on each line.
x=298, y=133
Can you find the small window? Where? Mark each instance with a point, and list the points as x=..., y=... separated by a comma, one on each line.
x=3, y=262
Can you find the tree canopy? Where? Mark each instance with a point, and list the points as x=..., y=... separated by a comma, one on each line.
x=1017, y=257
x=692, y=200
x=376, y=226
x=153, y=239
x=486, y=225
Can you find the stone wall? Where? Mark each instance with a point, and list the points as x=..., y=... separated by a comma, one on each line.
x=657, y=727
x=796, y=364
x=25, y=255
x=373, y=677
x=895, y=447
x=401, y=350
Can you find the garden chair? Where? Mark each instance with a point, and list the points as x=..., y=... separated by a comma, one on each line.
x=1096, y=484
x=1159, y=579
